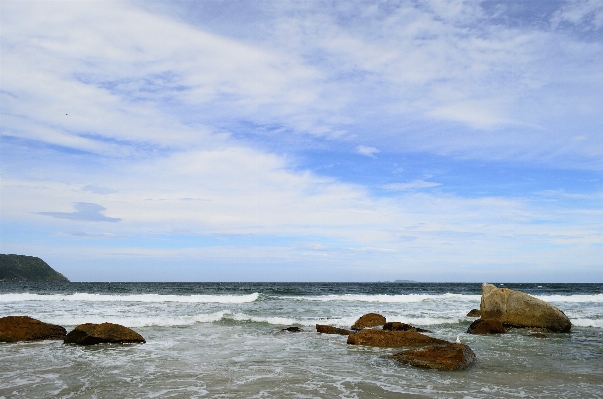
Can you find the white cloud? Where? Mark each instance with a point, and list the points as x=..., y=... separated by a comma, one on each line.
x=416, y=184
x=367, y=151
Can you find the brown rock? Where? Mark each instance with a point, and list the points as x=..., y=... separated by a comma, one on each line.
x=538, y=335
x=486, y=326
x=518, y=309
x=397, y=326
x=92, y=334
x=369, y=320
x=441, y=357
x=331, y=330
x=25, y=328
x=392, y=339
x=474, y=313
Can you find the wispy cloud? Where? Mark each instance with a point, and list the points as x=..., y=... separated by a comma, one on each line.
x=367, y=151
x=84, y=211
x=415, y=184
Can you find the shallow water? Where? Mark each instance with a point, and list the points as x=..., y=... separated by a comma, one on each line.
x=224, y=341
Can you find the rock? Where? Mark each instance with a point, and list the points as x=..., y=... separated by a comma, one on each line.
x=397, y=326
x=486, y=326
x=92, y=334
x=518, y=309
x=392, y=339
x=474, y=313
x=369, y=320
x=441, y=357
x=331, y=330
x=292, y=329
x=25, y=328
x=538, y=335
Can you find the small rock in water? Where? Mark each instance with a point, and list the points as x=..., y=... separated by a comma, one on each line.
x=486, y=326
x=292, y=329
x=369, y=320
x=474, y=313
x=538, y=335
x=331, y=330
x=92, y=334
x=398, y=326
x=440, y=357
x=25, y=328
x=392, y=339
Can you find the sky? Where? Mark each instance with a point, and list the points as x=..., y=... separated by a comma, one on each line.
x=427, y=140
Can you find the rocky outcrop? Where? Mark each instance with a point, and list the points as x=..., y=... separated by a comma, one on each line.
x=25, y=328
x=518, y=309
x=369, y=320
x=474, y=313
x=441, y=357
x=398, y=326
x=392, y=339
x=292, y=329
x=321, y=328
x=92, y=334
x=486, y=326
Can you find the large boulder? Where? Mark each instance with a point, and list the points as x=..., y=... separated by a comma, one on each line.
x=398, y=326
x=92, y=334
x=25, y=328
x=369, y=320
x=441, y=357
x=392, y=339
x=321, y=328
x=518, y=309
x=486, y=326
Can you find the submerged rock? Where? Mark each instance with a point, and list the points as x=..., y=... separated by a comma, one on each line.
x=538, y=335
x=369, y=320
x=486, y=326
x=398, y=326
x=440, y=357
x=518, y=309
x=292, y=329
x=321, y=328
x=92, y=334
x=392, y=339
x=474, y=313
x=25, y=328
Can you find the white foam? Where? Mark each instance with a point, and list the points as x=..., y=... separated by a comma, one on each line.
x=571, y=298
x=587, y=322
x=382, y=298
x=84, y=297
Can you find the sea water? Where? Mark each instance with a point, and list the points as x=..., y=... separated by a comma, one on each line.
x=224, y=340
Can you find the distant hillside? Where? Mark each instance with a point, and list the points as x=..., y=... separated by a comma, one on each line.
x=27, y=268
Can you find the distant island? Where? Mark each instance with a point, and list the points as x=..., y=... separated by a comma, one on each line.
x=27, y=268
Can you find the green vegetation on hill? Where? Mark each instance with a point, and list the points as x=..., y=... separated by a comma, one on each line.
x=27, y=268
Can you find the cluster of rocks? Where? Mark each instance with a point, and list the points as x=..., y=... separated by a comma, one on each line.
x=500, y=310
x=25, y=328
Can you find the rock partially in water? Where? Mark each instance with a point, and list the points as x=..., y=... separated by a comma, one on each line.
x=292, y=329
x=486, y=326
x=518, y=309
x=474, y=313
x=398, y=326
x=321, y=328
x=440, y=357
x=392, y=339
x=92, y=334
x=369, y=320
x=538, y=335
x=25, y=328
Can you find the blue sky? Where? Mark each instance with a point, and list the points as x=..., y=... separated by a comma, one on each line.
x=428, y=140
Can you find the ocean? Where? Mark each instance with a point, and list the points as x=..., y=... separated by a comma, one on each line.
x=224, y=340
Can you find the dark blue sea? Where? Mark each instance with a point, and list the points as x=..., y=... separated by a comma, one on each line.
x=224, y=340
